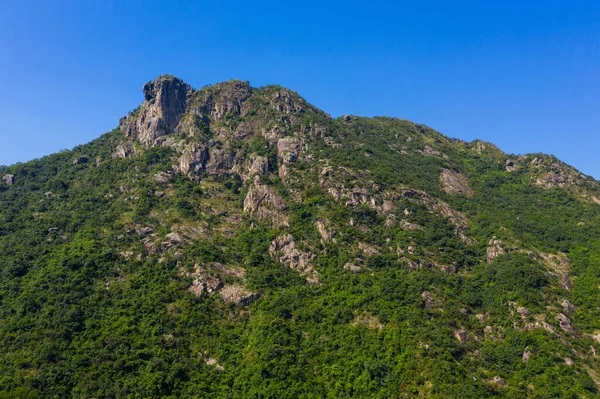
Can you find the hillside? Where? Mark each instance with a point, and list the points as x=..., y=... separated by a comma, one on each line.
x=237, y=242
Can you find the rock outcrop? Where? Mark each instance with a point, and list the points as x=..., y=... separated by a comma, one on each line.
x=455, y=183
x=284, y=248
x=165, y=102
x=565, y=323
x=288, y=149
x=263, y=203
x=203, y=282
x=193, y=159
x=494, y=249
x=124, y=150
x=238, y=295
x=8, y=179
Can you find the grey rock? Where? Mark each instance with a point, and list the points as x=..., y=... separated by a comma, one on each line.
x=193, y=160
x=455, y=183
x=258, y=165
x=238, y=295
x=288, y=149
x=124, y=150
x=565, y=323
x=263, y=203
x=494, y=249
x=161, y=177
x=220, y=160
x=285, y=248
x=460, y=335
x=8, y=179
x=567, y=306
x=165, y=101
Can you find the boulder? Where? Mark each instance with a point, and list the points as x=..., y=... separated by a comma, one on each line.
x=8, y=179
x=238, y=295
x=460, y=335
x=326, y=235
x=288, y=149
x=567, y=306
x=124, y=150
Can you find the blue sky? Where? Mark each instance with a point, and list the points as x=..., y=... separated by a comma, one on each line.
x=523, y=76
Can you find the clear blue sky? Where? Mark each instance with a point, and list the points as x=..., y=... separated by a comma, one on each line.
x=524, y=75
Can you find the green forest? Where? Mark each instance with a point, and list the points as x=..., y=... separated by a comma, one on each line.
x=262, y=249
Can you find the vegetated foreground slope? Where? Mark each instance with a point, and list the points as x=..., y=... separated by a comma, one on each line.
x=238, y=242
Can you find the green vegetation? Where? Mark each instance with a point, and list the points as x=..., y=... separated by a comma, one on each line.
x=94, y=298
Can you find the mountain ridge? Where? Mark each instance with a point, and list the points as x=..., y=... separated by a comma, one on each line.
x=238, y=242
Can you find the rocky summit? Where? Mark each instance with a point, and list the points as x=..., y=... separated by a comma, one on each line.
x=238, y=242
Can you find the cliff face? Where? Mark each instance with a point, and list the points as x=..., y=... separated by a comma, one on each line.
x=165, y=102
x=237, y=241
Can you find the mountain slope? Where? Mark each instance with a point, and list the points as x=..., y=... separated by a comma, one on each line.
x=238, y=242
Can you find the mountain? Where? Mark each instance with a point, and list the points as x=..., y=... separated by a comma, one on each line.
x=238, y=242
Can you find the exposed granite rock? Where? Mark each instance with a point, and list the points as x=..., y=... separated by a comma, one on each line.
x=220, y=160
x=285, y=249
x=8, y=179
x=367, y=249
x=499, y=381
x=171, y=239
x=161, y=177
x=193, y=159
x=262, y=202
x=567, y=306
x=430, y=152
x=458, y=219
x=211, y=361
x=494, y=249
x=460, y=335
x=225, y=99
x=523, y=312
x=326, y=234
x=203, y=282
x=482, y=317
x=411, y=226
x=165, y=101
x=124, y=150
x=455, y=183
x=510, y=165
x=352, y=267
x=257, y=165
x=558, y=265
x=288, y=149
x=238, y=295
x=565, y=323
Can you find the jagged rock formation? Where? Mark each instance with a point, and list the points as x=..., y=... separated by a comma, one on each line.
x=165, y=102
x=285, y=249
